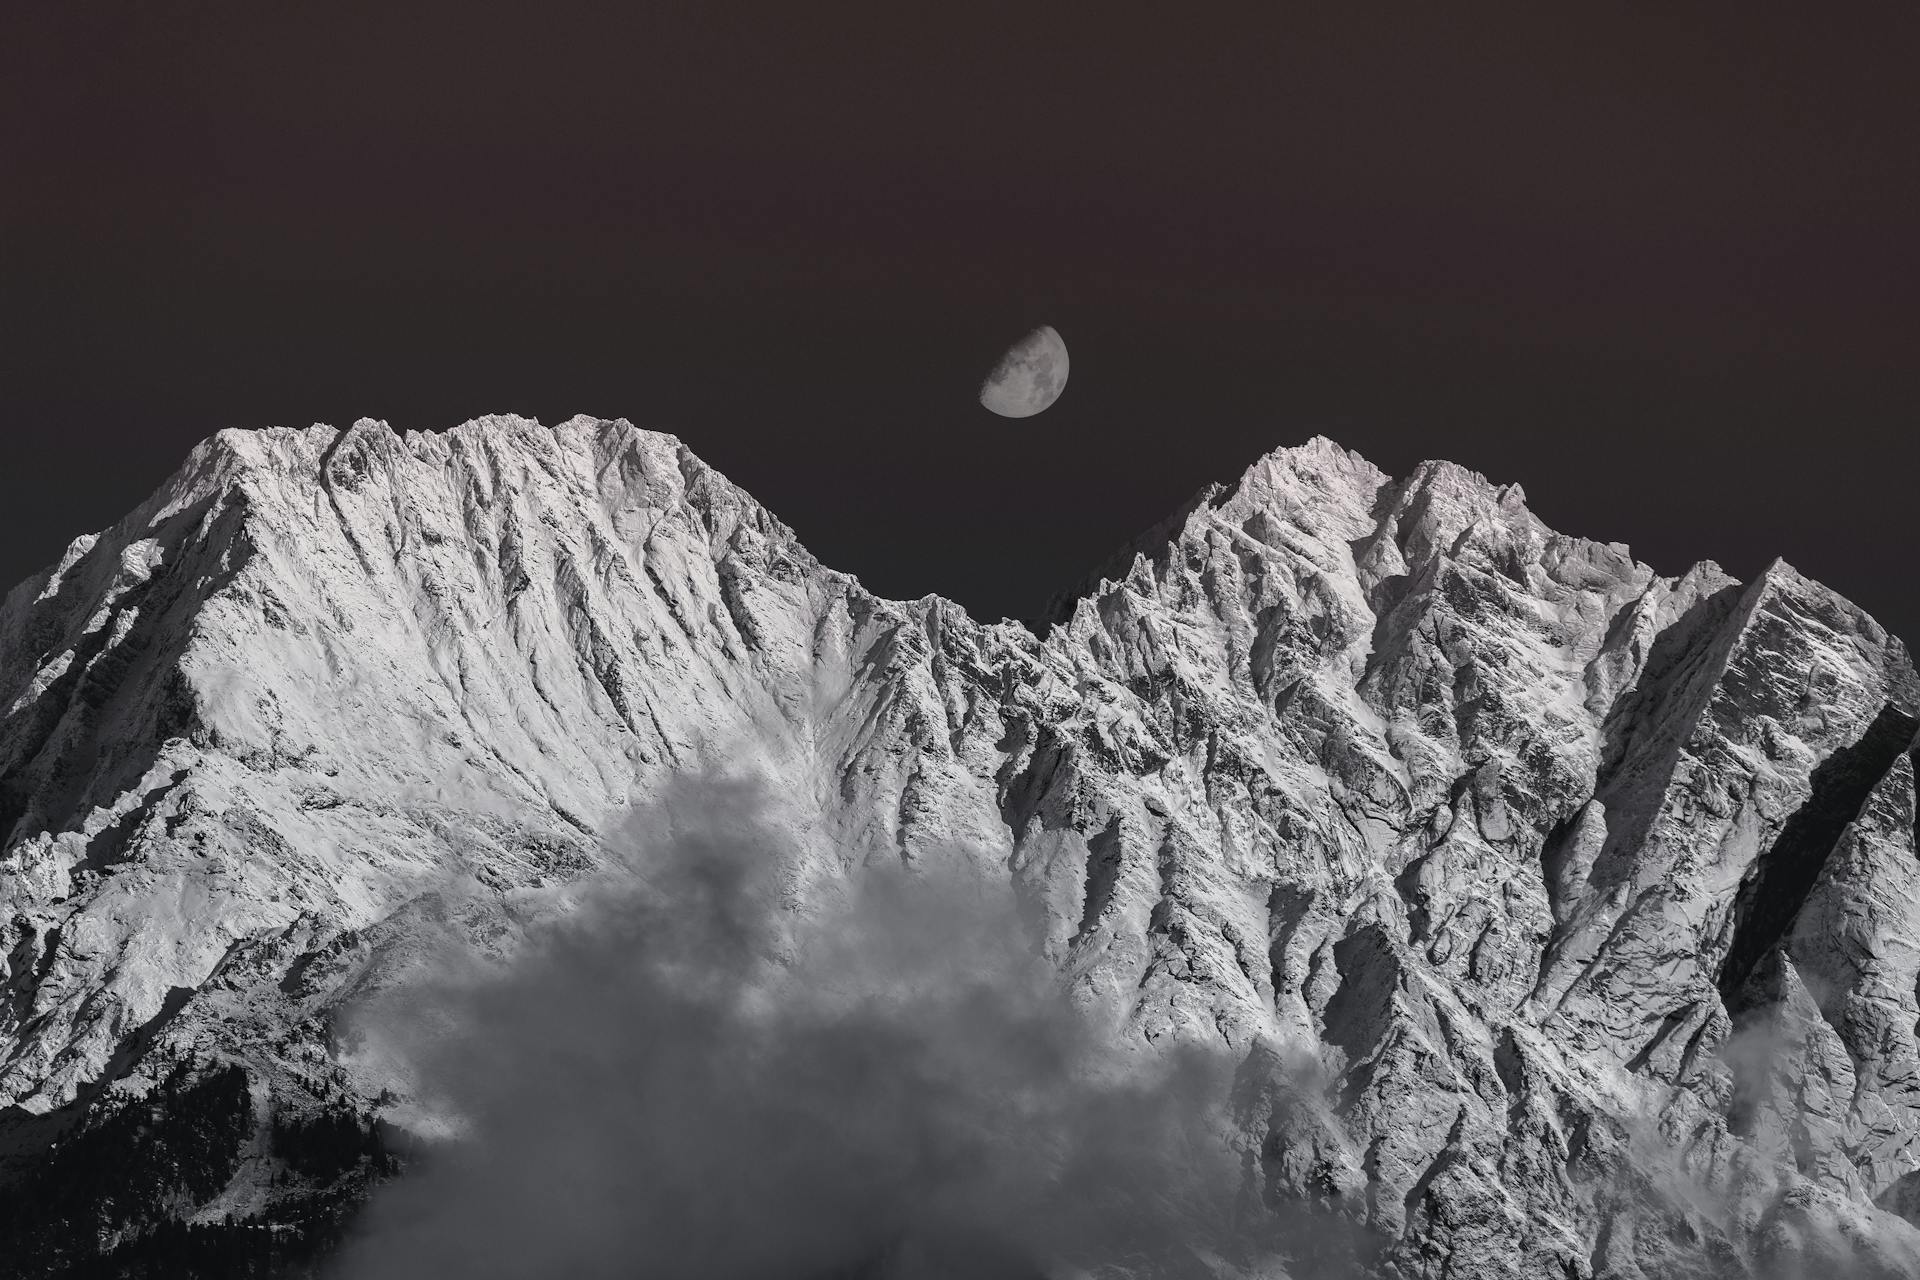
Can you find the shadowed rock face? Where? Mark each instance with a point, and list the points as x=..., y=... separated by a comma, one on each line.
x=1565, y=917
x=1777, y=887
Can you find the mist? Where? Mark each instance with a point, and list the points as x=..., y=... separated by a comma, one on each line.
x=695, y=1076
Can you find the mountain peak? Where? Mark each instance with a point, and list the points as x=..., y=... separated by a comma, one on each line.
x=1325, y=492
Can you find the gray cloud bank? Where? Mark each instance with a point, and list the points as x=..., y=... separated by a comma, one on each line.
x=691, y=1078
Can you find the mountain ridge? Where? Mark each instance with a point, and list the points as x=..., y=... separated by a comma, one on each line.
x=1383, y=772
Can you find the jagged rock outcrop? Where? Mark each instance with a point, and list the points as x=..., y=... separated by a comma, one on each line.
x=1565, y=916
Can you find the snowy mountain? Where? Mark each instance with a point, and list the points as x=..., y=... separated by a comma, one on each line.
x=1564, y=918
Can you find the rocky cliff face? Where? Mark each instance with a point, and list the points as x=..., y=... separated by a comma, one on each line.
x=1565, y=918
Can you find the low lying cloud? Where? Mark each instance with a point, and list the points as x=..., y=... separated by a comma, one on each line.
x=692, y=1077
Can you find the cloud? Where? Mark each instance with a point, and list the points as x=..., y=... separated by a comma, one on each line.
x=693, y=1076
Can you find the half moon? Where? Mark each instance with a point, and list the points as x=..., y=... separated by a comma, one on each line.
x=1029, y=377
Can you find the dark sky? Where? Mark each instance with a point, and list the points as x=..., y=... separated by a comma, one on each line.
x=1662, y=270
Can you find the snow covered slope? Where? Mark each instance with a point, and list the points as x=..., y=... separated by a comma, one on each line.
x=1566, y=916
